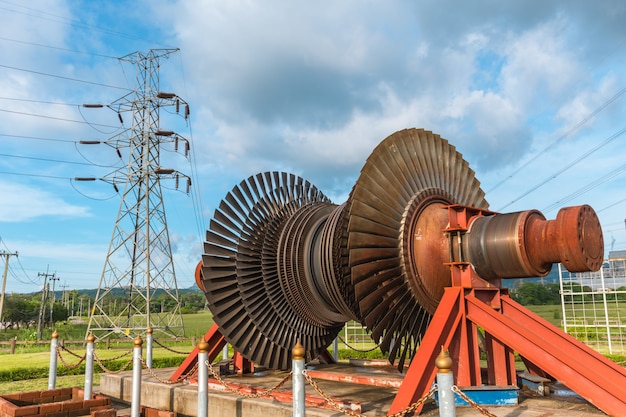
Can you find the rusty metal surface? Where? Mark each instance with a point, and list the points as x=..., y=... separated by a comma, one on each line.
x=241, y=276
x=283, y=264
x=395, y=214
x=525, y=244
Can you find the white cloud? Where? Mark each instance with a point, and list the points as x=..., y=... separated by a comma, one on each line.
x=22, y=203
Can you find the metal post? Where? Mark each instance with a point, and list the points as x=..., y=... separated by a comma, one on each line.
x=89, y=367
x=336, y=349
x=203, y=379
x=445, y=381
x=149, y=347
x=52, y=376
x=136, y=389
x=297, y=366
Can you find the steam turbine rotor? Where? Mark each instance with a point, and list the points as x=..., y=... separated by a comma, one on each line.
x=282, y=264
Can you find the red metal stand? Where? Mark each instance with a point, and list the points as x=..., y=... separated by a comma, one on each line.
x=216, y=342
x=509, y=328
x=472, y=302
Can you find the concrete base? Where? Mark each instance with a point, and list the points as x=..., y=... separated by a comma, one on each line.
x=182, y=398
x=368, y=400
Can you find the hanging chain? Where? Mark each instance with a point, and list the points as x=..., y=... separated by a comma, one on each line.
x=355, y=349
x=67, y=365
x=108, y=371
x=410, y=409
x=471, y=402
x=119, y=356
x=169, y=348
x=265, y=393
x=167, y=381
x=61, y=347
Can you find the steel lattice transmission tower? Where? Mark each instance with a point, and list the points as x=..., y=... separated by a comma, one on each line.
x=139, y=260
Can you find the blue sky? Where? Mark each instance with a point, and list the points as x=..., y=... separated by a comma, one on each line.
x=532, y=93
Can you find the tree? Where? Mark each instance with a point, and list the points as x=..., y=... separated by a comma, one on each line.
x=60, y=312
x=531, y=293
x=20, y=310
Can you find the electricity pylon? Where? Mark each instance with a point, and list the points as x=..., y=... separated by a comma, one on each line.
x=139, y=262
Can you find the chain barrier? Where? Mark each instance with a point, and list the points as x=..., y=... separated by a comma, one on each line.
x=67, y=365
x=410, y=409
x=108, y=371
x=169, y=348
x=76, y=355
x=355, y=349
x=471, y=402
x=167, y=381
x=119, y=356
x=265, y=393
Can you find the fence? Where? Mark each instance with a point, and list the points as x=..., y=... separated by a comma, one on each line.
x=15, y=346
x=298, y=375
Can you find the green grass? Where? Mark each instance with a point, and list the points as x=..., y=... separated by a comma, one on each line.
x=196, y=325
x=27, y=370
x=39, y=384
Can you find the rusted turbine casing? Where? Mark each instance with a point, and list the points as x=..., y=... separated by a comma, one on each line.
x=283, y=264
x=525, y=244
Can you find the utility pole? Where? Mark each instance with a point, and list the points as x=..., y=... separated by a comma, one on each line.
x=53, y=299
x=139, y=261
x=42, y=307
x=4, y=280
x=65, y=296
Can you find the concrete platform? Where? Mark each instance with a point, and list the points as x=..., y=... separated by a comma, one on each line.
x=369, y=400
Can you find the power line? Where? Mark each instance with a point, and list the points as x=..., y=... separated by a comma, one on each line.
x=568, y=166
x=58, y=118
x=39, y=101
x=35, y=175
x=37, y=138
x=587, y=188
x=30, y=281
x=560, y=138
x=58, y=48
x=48, y=160
x=71, y=22
x=64, y=78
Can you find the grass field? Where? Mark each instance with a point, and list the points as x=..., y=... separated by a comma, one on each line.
x=34, y=359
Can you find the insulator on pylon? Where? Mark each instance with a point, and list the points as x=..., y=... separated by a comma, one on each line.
x=84, y=179
x=93, y=106
x=119, y=153
x=176, y=144
x=89, y=142
x=177, y=181
x=186, y=111
x=188, y=184
x=186, y=148
x=115, y=188
x=177, y=105
x=164, y=171
x=162, y=94
x=164, y=132
x=119, y=116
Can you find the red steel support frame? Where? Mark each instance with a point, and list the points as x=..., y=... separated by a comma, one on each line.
x=216, y=342
x=472, y=302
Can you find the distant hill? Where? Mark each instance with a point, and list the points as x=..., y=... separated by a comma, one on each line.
x=118, y=292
